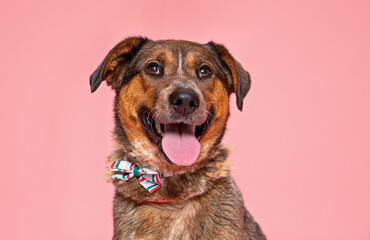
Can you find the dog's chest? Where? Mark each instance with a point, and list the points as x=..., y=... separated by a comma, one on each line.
x=162, y=222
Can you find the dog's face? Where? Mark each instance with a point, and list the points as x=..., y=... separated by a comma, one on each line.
x=171, y=99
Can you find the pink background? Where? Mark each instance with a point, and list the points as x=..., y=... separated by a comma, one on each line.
x=301, y=145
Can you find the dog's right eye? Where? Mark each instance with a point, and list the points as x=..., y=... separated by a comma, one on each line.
x=153, y=69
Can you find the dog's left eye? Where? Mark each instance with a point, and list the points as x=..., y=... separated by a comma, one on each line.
x=204, y=71
x=153, y=69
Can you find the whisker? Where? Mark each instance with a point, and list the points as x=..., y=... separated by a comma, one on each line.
x=152, y=115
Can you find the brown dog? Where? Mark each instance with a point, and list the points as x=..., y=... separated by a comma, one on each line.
x=171, y=108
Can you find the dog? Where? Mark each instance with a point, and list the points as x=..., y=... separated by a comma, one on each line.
x=170, y=171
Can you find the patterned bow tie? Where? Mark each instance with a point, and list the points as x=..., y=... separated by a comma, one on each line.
x=149, y=179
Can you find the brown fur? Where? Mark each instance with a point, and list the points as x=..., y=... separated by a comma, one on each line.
x=204, y=200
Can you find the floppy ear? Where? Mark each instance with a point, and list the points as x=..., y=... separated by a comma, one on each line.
x=240, y=78
x=117, y=59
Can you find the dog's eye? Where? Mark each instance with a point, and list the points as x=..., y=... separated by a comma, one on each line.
x=204, y=71
x=153, y=69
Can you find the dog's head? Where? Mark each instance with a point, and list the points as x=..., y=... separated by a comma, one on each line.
x=172, y=99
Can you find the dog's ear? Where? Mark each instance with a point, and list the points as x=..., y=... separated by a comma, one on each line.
x=117, y=59
x=240, y=78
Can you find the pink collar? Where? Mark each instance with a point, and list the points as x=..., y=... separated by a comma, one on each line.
x=159, y=201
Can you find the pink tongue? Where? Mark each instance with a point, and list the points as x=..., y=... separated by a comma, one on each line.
x=179, y=144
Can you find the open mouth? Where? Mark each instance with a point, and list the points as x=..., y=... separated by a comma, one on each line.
x=178, y=143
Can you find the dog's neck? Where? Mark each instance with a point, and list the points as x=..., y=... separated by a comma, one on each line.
x=178, y=188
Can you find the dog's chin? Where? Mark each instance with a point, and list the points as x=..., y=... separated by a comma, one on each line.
x=177, y=142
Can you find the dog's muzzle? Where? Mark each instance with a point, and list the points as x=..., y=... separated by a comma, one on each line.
x=177, y=135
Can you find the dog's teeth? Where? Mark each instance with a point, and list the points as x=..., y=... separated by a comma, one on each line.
x=194, y=127
x=158, y=128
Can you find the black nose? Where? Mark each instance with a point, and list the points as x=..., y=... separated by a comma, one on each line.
x=184, y=101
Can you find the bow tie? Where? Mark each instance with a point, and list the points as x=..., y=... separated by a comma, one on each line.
x=149, y=179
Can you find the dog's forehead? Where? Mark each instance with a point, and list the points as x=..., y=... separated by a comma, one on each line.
x=176, y=49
